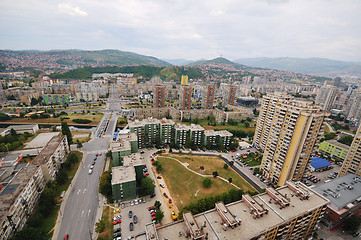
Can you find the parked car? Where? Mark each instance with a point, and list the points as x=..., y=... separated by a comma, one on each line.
x=123, y=205
x=117, y=230
x=90, y=171
x=116, y=210
x=135, y=219
x=162, y=185
x=66, y=237
x=131, y=226
x=116, y=235
x=131, y=203
x=136, y=201
x=159, y=177
x=144, y=200
x=152, y=195
x=130, y=214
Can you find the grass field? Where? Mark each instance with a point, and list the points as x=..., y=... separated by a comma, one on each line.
x=107, y=216
x=186, y=187
x=81, y=139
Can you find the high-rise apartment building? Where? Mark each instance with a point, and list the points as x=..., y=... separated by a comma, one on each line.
x=159, y=96
x=326, y=97
x=352, y=163
x=229, y=95
x=353, y=108
x=293, y=134
x=265, y=118
x=185, y=97
x=208, y=96
x=184, y=80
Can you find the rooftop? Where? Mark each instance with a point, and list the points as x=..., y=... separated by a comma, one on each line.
x=319, y=162
x=12, y=191
x=210, y=222
x=138, y=123
x=223, y=133
x=192, y=127
x=128, y=137
x=48, y=150
x=132, y=160
x=120, y=145
x=338, y=144
x=341, y=191
x=22, y=127
x=122, y=174
x=167, y=121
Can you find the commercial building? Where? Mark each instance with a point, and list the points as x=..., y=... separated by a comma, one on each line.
x=229, y=95
x=352, y=163
x=184, y=80
x=289, y=212
x=265, y=118
x=52, y=156
x=20, y=129
x=159, y=96
x=208, y=96
x=344, y=194
x=292, y=136
x=326, y=97
x=334, y=149
x=185, y=97
x=19, y=198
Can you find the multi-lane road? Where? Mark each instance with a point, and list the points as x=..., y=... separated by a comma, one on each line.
x=78, y=215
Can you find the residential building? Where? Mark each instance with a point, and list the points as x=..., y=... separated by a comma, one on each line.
x=19, y=198
x=56, y=99
x=344, y=194
x=185, y=97
x=334, y=149
x=147, y=131
x=125, y=144
x=184, y=80
x=326, y=97
x=353, y=108
x=145, y=113
x=352, y=163
x=265, y=118
x=212, y=138
x=208, y=96
x=87, y=96
x=293, y=134
x=191, y=135
x=124, y=183
x=159, y=96
x=52, y=156
x=289, y=212
x=166, y=130
x=229, y=95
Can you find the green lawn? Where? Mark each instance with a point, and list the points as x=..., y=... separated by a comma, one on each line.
x=186, y=187
x=253, y=159
x=107, y=216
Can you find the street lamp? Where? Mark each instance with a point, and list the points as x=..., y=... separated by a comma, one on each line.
x=7, y=147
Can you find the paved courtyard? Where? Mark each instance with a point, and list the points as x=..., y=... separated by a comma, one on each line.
x=41, y=140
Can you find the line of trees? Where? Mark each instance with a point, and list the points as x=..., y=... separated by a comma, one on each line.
x=13, y=140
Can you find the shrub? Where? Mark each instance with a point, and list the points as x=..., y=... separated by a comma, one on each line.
x=207, y=182
x=81, y=121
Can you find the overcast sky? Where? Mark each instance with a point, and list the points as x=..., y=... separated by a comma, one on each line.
x=190, y=29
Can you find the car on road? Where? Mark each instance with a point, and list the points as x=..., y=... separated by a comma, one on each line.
x=90, y=171
x=152, y=195
x=135, y=219
x=162, y=185
x=131, y=226
x=92, y=166
x=97, y=154
x=66, y=237
x=130, y=214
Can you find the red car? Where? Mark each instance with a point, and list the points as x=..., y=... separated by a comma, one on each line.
x=66, y=237
x=233, y=150
x=117, y=221
x=152, y=214
x=153, y=218
x=151, y=208
x=170, y=200
x=97, y=154
x=146, y=175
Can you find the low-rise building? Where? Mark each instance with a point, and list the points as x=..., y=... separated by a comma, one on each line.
x=334, y=149
x=52, y=156
x=124, y=183
x=19, y=198
x=344, y=194
x=30, y=128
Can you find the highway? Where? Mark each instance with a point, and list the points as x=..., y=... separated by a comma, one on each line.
x=78, y=215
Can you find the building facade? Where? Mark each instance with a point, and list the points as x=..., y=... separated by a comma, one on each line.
x=352, y=163
x=185, y=97
x=294, y=133
x=229, y=95
x=159, y=96
x=184, y=80
x=326, y=97
x=334, y=149
x=208, y=96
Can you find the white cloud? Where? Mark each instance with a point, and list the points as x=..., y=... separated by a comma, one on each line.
x=71, y=10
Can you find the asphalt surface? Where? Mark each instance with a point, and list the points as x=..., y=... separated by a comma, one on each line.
x=82, y=202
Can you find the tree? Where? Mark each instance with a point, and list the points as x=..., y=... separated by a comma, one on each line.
x=230, y=180
x=105, y=186
x=62, y=176
x=101, y=225
x=159, y=215
x=215, y=174
x=146, y=187
x=66, y=132
x=157, y=204
x=78, y=144
x=346, y=139
x=30, y=233
x=4, y=117
x=170, y=150
x=53, y=128
x=207, y=182
x=12, y=132
x=352, y=223
x=225, y=166
x=329, y=136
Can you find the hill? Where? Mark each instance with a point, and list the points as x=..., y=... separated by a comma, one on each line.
x=300, y=65
x=219, y=60
x=178, y=62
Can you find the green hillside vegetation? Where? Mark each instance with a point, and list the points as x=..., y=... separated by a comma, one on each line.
x=166, y=73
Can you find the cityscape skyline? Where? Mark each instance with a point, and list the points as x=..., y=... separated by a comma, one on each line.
x=188, y=30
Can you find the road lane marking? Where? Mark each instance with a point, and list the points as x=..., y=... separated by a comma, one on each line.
x=89, y=213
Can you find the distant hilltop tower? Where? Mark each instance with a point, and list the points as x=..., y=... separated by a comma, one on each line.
x=184, y=80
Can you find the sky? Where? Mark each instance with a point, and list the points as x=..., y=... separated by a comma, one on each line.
x=188, y=29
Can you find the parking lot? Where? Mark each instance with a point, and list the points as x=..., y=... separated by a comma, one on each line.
x=323, y=176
